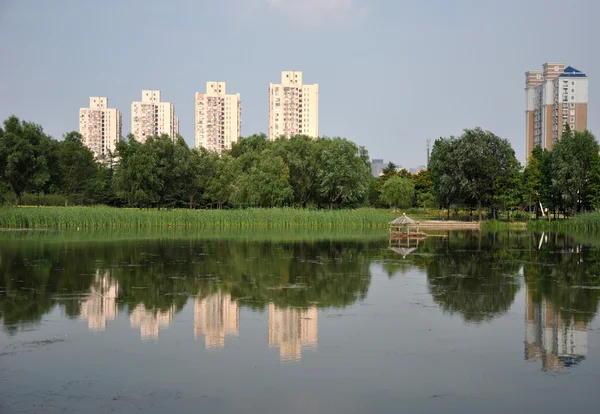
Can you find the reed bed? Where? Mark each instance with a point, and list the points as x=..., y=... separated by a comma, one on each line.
x=580, y=222
x=116, y=218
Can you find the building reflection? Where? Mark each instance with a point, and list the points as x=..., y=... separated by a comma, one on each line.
x=555, y=342
x=150, y=321
x=291, y=329
x=216, y=316
x=101, y=304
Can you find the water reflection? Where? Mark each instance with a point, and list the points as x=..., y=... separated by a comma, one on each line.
x=101, y=304
x=149, y=321
x=216, y=316
x=550, y=339
x=467, y=274
x=292, y=329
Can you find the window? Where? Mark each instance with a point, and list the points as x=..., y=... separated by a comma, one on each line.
x=572, y=83
x=572, y=112
x=572, y=98
x=572, y=90
x=572, y=119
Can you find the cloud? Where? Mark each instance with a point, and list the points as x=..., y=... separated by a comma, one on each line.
x=319, y=12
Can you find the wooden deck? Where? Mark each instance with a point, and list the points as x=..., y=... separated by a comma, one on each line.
x=448, y=225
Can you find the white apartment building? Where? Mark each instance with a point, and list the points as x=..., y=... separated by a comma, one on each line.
x=153, y=117
x=218, y=118
x=100, y=126
x=293, y=107
x=556, y=96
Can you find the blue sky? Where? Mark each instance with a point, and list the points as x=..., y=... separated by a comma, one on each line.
x=390, y=73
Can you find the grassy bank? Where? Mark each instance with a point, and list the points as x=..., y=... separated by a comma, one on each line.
x=581, y=222
x=116, y=218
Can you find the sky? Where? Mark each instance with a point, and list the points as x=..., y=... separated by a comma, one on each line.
x=391, y=73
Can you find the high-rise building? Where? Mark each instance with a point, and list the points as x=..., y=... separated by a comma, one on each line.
x=218, y=118
x=292, y=329
x=293, y=107
x=557, y=96
x=153, y=117
x=100, y=126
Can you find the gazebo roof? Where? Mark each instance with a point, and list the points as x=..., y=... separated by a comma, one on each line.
x=403, y=219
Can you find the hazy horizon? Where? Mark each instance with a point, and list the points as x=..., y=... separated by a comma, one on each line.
x=391, y=73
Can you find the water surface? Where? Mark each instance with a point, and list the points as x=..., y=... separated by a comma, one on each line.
x=336, y=323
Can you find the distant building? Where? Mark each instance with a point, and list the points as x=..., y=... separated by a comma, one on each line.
x=100, y=126
x=418, y=169
x=151, y=117
x=293, y=107
x=218, y=118
x=556, y=97
x=377, y=166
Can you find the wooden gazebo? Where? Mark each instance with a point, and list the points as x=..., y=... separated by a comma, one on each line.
x=401, y=228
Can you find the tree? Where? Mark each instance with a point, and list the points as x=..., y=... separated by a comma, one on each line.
x=424, y=189
x=508, y=186
x=221, y=181
x=268, y=183
x=76, y=165
x=135, y=179
x=344, y=171
x=299, y=153
x=573, y=158
x=446, y=177
x=195, y=173
x=21, y=156
x=469, y=166
x=398, y=192
x=532, y=180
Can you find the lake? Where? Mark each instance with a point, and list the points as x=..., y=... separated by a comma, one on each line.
x=337, y=322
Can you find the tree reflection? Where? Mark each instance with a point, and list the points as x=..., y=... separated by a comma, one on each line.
x=153, y=280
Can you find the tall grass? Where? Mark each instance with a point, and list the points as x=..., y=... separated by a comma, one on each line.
x=581, y=222
x=497, y=225
x=115, y=218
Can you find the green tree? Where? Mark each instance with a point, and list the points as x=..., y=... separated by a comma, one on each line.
x=221, y=181
x=268, y=183
x=21, y=155
x=573, y=159
x=76, y=164
x=508, y=186
x=299, y=153
x=344, y=171
x=136, y=181
x=196, y=170
x=532, y=180
x=469, y=165
x=424, y=189
x=445, y=175
x=398, y=192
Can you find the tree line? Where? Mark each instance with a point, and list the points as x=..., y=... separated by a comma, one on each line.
x=475, y=171
x=479, y=170
x=165, y=173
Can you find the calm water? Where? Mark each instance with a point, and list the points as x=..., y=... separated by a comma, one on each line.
x=463, y=323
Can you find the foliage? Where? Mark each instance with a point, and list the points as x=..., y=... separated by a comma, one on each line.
x=476, y=166
x=22, y=160
x=398, y=192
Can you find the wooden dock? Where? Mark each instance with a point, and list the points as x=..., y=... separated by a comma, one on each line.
x=449, y=225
